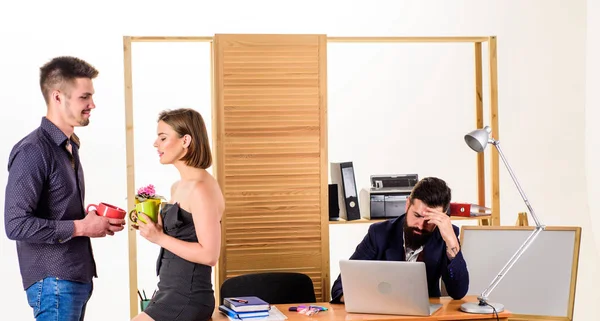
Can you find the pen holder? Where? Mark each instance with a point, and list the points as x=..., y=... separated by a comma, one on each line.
x=144, y=304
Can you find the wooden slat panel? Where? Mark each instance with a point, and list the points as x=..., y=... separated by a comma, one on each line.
x=271, y=155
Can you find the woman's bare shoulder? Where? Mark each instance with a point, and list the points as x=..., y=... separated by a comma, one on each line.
x=207, y=190
x=174, y=187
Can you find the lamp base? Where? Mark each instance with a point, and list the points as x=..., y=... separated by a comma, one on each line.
x=486, y=308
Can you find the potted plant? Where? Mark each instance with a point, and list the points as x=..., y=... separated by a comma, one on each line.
x=147, y=202
x=148, y=193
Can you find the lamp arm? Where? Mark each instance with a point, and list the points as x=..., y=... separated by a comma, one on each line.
x=538, y=228
x=484, y=296
x=512, y=175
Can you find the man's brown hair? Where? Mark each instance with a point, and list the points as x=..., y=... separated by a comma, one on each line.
x=62, y=71
x=432, y=191
x=186, y=121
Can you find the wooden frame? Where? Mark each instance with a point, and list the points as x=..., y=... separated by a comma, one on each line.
x=494, y=218
x=493, y=122
x=574, y=266
x=129, y=143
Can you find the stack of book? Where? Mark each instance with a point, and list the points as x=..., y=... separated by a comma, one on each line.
x=245, y=307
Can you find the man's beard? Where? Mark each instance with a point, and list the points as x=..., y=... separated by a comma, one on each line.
x=81, y=121
x=412, y=240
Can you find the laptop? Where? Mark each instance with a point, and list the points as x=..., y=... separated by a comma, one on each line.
x=386, y=287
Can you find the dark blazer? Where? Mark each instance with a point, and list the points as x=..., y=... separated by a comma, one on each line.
x=384, y=242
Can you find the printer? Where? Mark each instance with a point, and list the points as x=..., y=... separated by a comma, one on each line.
x=388, y=194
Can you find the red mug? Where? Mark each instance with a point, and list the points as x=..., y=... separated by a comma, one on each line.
x=110, y=211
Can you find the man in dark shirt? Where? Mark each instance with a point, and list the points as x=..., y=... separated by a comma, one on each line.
x=44, y=202
x=424, y=234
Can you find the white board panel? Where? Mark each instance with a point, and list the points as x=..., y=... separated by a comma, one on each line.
x=540, y=283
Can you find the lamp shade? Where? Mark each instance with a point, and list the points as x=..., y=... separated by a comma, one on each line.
x=478, y=139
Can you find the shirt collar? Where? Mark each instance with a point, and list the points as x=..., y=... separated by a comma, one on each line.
x=57, y=136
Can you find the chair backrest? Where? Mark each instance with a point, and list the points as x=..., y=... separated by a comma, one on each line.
x=273, y=287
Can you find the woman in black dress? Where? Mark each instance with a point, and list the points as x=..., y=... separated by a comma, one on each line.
x=188, y=229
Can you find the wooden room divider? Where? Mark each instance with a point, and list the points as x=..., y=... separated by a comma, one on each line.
x=271, y=154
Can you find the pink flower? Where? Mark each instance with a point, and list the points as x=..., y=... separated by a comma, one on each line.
x=147, y=191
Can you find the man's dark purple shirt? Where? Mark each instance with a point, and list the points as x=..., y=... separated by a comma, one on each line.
x=44, y=195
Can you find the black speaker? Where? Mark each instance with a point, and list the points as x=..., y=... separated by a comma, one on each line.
x=334, y=206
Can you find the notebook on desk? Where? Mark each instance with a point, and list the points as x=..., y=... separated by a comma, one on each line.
x=386, y=287
x=246, y=304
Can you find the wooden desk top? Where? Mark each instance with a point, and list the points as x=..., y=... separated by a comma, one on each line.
x=449, y=311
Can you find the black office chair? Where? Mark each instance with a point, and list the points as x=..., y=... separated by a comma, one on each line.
x=273, y=287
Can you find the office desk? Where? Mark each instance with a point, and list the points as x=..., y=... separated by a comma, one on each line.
x=449, y=311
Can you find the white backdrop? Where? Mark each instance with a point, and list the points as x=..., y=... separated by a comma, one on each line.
x=165, y=76
x=542, y=98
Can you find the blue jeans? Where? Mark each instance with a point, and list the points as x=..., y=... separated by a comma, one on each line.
x=58, y=300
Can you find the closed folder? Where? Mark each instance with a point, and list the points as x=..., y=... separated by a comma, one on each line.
x=468, y=210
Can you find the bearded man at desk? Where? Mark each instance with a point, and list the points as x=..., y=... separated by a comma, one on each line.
x=424, y=233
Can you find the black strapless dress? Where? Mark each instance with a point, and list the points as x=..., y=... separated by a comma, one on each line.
x=185, y=290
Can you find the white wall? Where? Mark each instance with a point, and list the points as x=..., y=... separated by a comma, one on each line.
x=592, y=115
x=154, y=74
x=409, y=117
x=542, y=74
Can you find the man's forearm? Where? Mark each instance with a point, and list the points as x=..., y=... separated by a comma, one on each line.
x=452, y=246
x=452, y=252
x=26, y=227
x=79, y=228
x=336, y=290
x=456, y=277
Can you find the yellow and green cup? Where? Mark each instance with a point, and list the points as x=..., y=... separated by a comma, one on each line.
x=149, y=207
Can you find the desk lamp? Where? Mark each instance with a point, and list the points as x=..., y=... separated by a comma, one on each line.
x=478, y=140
